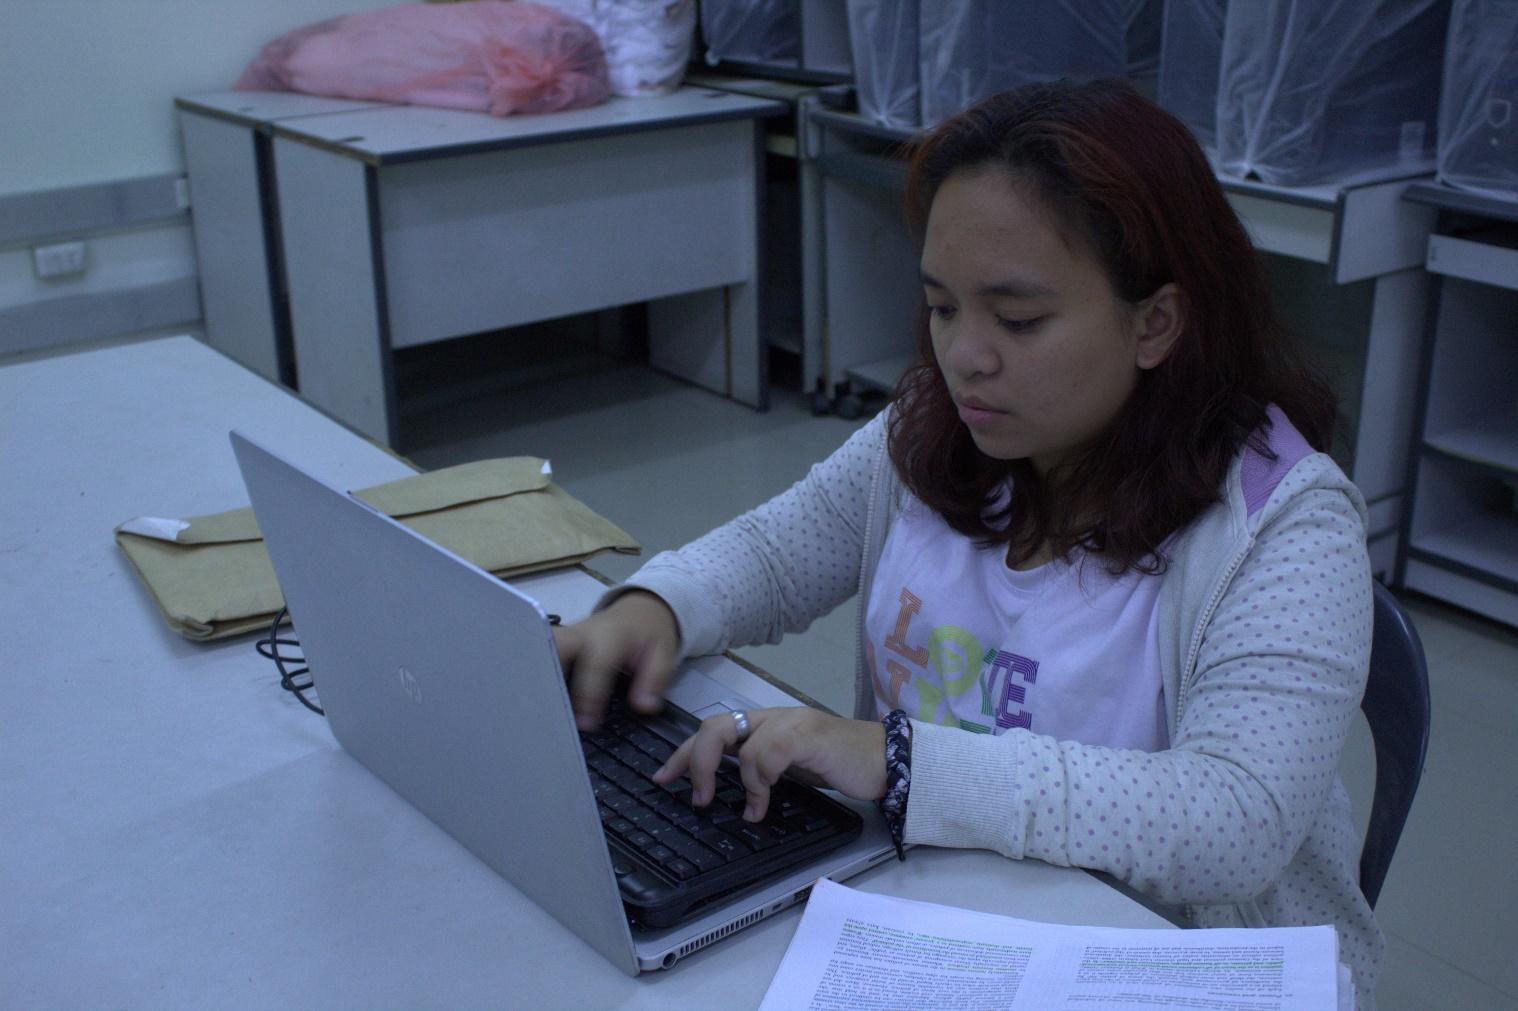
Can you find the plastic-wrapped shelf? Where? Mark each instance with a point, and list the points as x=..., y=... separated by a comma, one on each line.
x=1307, y=92
x=970, y=49
x=1191, y=54
x=1313, y=92
x=883, y=34
x=917, y=62
x=1478, y=125
x=782, y=36
x=752, y=31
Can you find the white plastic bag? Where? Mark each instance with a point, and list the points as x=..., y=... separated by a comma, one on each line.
x=647, y=42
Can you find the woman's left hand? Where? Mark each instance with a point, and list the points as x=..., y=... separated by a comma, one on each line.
x=846, y=755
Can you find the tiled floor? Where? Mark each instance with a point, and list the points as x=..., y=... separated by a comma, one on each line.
x=668, y=462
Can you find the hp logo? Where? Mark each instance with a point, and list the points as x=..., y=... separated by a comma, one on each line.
x=411, y=686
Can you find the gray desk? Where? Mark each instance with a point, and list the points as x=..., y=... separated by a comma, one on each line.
x=180, y=833
x=406, y=225
x=228, y=147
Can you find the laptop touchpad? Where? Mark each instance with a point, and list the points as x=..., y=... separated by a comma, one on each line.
x=724, y=706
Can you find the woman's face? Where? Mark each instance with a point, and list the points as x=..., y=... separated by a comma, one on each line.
x=1038, y=350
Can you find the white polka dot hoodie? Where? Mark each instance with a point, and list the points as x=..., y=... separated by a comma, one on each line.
x=1265, y=619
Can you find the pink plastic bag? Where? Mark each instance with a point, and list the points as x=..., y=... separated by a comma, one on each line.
x=493, y=56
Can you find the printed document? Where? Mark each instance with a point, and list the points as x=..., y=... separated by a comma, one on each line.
x=859, y=950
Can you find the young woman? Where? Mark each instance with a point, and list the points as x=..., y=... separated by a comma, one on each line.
x=1115, y=604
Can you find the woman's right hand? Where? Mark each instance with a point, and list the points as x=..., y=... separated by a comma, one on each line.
x=637, y=633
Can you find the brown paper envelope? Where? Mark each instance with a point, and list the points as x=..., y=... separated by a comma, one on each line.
x=215, y=578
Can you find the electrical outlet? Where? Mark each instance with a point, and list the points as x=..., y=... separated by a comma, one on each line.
x=59, y=260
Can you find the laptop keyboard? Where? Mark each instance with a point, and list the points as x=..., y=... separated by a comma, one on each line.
x=657, y=822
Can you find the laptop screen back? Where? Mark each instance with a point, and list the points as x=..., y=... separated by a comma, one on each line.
x=444, y=682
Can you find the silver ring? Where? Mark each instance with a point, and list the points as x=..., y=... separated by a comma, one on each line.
x=740, y=724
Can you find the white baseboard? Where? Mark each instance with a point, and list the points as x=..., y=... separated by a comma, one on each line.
x=68, y=319
x=27, y=218
x=140, y=263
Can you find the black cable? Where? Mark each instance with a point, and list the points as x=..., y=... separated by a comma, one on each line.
x=270, y=649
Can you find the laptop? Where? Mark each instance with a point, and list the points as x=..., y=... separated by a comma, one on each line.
x=445, y=683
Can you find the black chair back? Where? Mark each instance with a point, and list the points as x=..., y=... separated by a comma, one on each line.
x=1396, y=705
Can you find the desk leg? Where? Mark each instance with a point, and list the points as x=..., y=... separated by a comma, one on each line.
x=715, y=337
x=329, y=218
x=814, y=362
x=811, y=144
x=749, y=374
x=1388, y=405
x=711, y=338
x=237, y=282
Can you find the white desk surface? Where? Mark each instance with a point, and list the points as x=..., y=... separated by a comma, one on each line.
x=178, y=832
x=261, y=108
x=408, y=132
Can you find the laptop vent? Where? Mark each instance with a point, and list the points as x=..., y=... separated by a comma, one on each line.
x=721, y=932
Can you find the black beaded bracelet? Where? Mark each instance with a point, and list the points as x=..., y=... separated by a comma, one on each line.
x=898, y=759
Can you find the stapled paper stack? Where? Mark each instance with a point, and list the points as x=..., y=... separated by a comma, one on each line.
x=211, y=576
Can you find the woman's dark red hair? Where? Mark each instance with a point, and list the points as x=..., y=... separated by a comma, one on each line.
x=1129, y=181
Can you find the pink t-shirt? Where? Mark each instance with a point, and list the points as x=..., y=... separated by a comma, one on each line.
x=953, y=636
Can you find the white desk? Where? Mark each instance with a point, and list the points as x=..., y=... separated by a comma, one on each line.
x=1461, y=530
x=178, y=832
x=405, y=225
x=228, y=146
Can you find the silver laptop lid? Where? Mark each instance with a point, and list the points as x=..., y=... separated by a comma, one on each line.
x=432, y=674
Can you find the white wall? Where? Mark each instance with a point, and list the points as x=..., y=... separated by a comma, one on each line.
x=87, y=86
x=86, y=96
